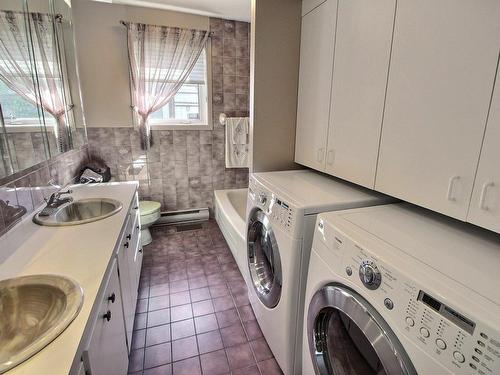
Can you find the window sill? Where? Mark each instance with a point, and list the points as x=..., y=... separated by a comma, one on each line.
x=181, y=126
x=27, y=128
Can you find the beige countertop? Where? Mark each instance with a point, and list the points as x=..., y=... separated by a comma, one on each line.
x=81, y=252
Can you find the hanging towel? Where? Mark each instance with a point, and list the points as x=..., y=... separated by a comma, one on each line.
x=237, y=129
x=240, y=130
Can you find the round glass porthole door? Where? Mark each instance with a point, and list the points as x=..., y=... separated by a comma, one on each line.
x=348, y=336
x=264, y=261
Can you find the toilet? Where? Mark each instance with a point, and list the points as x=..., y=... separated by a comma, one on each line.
x=150, y=213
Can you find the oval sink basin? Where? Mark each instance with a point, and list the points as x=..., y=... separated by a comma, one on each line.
x=80, y=212
x=34, y=310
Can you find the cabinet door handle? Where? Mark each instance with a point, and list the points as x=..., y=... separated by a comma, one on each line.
x=484, y=191
x=129, y=236
x=137, y=227
x=330, y=157
x=112, y=298
x=107, y=316
x=140, y=250
x=451, y=185
x=126, y=245
x=319, y=156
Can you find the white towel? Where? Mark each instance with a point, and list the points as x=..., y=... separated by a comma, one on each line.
x=237, y=129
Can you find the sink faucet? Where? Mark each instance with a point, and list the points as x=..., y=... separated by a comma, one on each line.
x=56, y=201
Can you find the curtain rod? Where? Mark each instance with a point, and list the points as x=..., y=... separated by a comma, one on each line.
x=57, y=16
x=210, y=33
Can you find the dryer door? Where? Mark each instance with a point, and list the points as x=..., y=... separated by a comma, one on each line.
x=264, y=261
x=348, y=336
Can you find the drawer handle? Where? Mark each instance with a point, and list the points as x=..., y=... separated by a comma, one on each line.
x=107, y=316
x=484, y=191
x=112, y=298
x=136, y=207
x=126, y=245
x=129, y=236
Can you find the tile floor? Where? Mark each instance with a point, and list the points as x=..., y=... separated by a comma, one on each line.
x=193, y=314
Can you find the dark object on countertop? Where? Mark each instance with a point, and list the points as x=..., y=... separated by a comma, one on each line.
x=11, y=214
x=95, y=165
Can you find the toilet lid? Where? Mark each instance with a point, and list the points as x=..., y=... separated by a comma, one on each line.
x=148, y=207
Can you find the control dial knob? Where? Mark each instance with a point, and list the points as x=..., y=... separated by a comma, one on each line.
x=370, y=275
x=262, y=199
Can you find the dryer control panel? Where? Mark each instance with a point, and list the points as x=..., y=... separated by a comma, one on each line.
x=279, y=211
x=416, y=304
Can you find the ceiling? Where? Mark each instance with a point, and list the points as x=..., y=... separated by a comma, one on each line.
x=228, y=9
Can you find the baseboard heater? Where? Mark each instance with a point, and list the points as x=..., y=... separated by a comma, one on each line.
x=183, y=216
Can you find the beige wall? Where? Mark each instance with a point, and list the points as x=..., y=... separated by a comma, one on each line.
x=102, y=55
x=274, y=74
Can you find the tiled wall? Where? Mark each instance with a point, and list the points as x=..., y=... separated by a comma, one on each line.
x=24, y=191
x=183, y=168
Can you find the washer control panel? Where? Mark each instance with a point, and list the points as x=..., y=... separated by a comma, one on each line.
x=446, y=332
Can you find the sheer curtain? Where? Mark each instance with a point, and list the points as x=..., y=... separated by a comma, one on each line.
x=35, y=73
x=160, y=60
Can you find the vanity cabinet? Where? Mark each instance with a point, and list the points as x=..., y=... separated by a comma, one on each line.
x=484, y=207
x=106, y=352
x=442, y=70
x=315, y=78
x=362, y=52
x=129, y=255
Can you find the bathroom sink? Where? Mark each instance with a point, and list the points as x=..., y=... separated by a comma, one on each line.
x=80, y=212
x=34, y=310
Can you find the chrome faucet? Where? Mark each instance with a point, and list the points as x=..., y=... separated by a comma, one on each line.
x=56, y=201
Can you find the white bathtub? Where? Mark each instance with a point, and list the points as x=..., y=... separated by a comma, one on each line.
x=230, y=213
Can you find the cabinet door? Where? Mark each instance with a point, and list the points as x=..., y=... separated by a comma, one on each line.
x=125, y=252
x=441, y=75
x=308, y=5
x=362, y=50
x=107, y=351
x=315, y=76
x=485, y=204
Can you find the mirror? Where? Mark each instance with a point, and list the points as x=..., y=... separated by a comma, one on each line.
x=41, y=114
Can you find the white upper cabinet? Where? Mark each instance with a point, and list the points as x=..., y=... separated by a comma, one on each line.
x=485, y=204
x=441, y=76
x=362, y=53
x=315, y=77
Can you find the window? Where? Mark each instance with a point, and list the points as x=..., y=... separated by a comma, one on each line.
x=190, y=107
x=18, y=111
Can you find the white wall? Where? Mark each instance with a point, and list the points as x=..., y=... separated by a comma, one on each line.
x=102, y=55
x=274, y=74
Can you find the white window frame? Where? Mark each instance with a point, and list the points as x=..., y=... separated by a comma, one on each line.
x=169, y=125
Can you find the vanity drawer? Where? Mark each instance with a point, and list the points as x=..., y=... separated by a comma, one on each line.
x=107, y=350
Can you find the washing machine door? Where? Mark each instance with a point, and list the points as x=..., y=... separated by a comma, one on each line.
x=264, y=261
x=348, y=336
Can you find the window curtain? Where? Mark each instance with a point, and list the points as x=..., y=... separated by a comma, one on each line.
x=35, y=73
x=160, y=60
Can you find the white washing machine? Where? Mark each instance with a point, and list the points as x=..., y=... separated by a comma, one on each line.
x=281, y=213
x=397, y=289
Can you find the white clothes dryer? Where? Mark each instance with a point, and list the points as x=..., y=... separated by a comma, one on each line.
x=281, y=213
x=398, y=289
